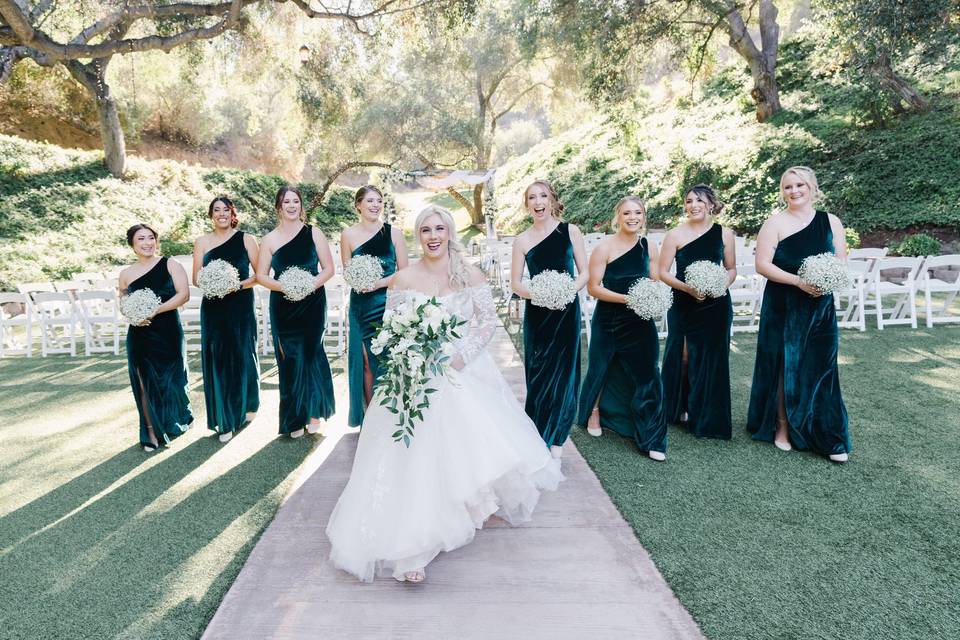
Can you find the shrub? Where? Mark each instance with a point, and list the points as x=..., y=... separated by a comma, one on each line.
x=917, y=244
x=853, y=238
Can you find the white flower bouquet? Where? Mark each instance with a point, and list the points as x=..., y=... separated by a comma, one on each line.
x=708, y=278
x=218, y=279
x=296, y=284
x=552, y=289
x=649, y=299
x=826, y=272
x=418, y=339
x=363, y=272
x=139, y=306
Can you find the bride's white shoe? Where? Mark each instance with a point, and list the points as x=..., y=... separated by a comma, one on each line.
x=556, y=452
x=415, y=577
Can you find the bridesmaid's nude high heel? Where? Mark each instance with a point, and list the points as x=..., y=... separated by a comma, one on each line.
x=297, y=433
x=839, y=457
x=782, y=443
x=314, y=427
x=593, y=424
x=659, y=456
x=225, y=437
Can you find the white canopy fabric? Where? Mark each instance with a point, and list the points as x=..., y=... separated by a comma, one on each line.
x=440, y=183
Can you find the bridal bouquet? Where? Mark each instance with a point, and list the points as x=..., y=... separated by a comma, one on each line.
x=552, y=289
x=218, y=278
x=139, y=306
x=649, y=299
x=708, y=278
x=296, y=284
x=826, y=272
x=418, y=339
x=363, y=272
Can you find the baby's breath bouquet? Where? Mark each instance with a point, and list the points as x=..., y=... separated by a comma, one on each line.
x=552, y=289
x=139, y=306
x=826, y=272
x=218, y=279
x=708, y=278
x=363, y=272
x=296, y=283
x=649, y=299
x=418, y=339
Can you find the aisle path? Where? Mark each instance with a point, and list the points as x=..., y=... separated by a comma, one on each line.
x=575, y=571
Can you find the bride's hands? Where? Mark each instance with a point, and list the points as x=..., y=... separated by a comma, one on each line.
x=457, y=362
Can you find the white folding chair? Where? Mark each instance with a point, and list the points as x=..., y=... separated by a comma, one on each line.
x=190, y=319
x=746, y=292
x=266, y=337
x=935, y=279
x=903, y=289
x=88, y=276
x=337, y=303
x=851, y=304
x=588, y=305
x=70, y=286
x=30, y=288
x=16, y=324
x=101, y=321
x=58, y=322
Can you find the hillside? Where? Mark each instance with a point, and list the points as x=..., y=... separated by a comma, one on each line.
x=881, y=179
x=61, y=211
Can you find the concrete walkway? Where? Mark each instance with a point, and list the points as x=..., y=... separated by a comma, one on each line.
x=575, y=571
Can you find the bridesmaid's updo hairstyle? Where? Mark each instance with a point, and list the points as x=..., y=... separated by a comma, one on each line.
x=805, y=174
x=362, y=193
x=278, y=201
x=616, y=212
x=458, y=265
x=706, y=192
x=132, y=231
x=228, y=203
x=556, y=209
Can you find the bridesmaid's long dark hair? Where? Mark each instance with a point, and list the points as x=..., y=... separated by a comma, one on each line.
x=228, y=203
x=706, y=192
x=132, y=231
x=278, y=201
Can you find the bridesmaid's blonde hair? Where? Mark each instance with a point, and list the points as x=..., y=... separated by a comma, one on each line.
x=556, y=207
x=616, y=212
x=805, y=174
x=458, y=266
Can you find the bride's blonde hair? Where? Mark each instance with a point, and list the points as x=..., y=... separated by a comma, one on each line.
x=458, y=266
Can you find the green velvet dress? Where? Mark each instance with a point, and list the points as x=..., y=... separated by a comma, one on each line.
x=551, y=345
x=306, y=384
x=704, y=394
x=799, y=340
x=156, y=357
x=366, y=309
x=231, y=370
x=622, y=366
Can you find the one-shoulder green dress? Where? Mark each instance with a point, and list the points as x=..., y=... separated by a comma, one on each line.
x=704, y=394
x=366, y=309
x=156, y=358
x=551, y=345
x=228, y=338
x=799, y=340
x=306, y=384
x=622, y=366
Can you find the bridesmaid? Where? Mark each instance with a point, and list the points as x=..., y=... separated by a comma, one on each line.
x=370, y=237
x=306, y=384
x=551, y=339
x=156, y=358
x=622, y=389
x=795, y=399
x=696, y=358
x=231, y=369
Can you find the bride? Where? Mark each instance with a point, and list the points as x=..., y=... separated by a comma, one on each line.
x=475, y=454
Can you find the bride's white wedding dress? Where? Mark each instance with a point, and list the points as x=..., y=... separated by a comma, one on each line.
x=475, y=454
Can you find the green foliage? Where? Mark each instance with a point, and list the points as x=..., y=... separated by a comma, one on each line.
x=892, y=178
x=62, y=212
x=852, y=237
x=917, y=244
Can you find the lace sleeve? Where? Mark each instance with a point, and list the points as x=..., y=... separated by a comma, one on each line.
x=485, y=322
x=395, y=298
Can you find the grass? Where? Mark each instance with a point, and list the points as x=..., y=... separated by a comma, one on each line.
x=98, y=539
x=761, y=544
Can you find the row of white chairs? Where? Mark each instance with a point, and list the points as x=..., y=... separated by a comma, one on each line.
x=64, y=317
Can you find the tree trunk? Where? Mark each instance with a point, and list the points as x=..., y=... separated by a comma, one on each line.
x=466, y=204
x=336, y=173
x=902, y=90
x=763, y=60
x=92, y=77
x=476, y=216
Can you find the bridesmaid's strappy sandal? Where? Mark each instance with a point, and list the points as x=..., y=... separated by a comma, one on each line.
x=839, y=457
x=659, y=456
x=150, y=448
x=783, y=445
x=225, y=437
x=297, y=433
x=313, y=428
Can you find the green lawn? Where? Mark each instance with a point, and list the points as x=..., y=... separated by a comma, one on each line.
x=762, y=544
x=100, y=540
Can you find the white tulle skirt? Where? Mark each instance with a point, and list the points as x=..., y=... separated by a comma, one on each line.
x=475, y=454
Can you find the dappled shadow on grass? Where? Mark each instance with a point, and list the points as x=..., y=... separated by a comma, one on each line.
x=100, y=570
x=753, y=539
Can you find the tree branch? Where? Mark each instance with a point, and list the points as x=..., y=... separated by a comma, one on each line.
x=340, y=170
